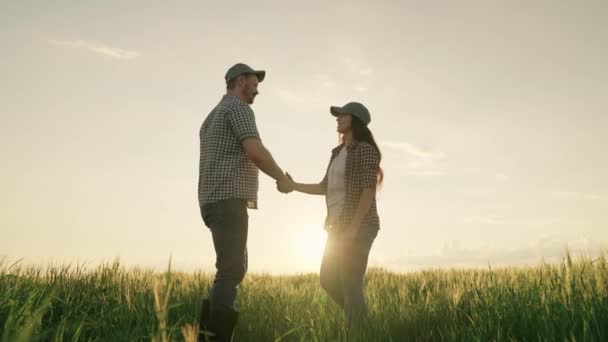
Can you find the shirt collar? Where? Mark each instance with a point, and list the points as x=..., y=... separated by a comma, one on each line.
x=348, y=147
x=233, y=97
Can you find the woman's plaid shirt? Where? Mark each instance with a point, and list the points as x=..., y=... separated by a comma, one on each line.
x=361, y=171
x=224, y=169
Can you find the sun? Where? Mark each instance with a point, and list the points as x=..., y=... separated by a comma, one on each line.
x=308, y=242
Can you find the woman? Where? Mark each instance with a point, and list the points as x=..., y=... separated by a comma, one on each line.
x=352, y=219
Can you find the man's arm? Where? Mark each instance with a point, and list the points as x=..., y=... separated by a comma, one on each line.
x=261, y=157
x=242, y=122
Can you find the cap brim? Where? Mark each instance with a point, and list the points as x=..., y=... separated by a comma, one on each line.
x=260, y=74
x=336, y=111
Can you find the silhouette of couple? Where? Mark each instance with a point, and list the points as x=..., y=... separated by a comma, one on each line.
x=231, y=153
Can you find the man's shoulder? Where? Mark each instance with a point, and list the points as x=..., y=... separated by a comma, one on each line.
x=231, y=103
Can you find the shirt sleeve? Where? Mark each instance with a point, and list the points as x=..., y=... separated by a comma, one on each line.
x=325, y=179
x=242, y=122
x=369, y=162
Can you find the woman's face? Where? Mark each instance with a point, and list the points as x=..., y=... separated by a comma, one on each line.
x=344, y=123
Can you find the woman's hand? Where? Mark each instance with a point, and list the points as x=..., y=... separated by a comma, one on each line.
x=311, y=189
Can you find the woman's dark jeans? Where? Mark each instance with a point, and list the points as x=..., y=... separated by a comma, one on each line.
x=342, y=271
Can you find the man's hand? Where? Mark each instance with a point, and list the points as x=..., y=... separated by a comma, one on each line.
x=285, y=184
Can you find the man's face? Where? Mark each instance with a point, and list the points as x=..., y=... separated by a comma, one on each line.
x=250, y=88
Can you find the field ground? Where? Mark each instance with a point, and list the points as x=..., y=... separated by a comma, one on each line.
x=567, y=301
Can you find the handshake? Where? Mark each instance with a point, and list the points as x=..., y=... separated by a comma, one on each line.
x=286, y=184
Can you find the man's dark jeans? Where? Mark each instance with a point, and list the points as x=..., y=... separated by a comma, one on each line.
x=228, y=221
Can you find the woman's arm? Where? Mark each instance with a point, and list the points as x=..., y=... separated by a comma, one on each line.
x=311, y=189
x=368, y=167
x=365, y=202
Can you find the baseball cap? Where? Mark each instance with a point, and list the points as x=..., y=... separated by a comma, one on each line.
x=243, y=69
x=355, y=109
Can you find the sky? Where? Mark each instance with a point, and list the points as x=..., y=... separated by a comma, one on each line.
x=491, y=116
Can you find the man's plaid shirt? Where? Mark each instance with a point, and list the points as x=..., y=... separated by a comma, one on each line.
x=224, y=170
x=361, y=171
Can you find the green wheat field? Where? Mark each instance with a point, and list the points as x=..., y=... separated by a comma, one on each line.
x=554, y=302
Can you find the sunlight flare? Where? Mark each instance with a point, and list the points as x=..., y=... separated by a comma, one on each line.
x=308, y=242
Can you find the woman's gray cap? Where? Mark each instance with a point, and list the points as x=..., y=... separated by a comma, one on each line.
x=243, y=69
x=353, y=108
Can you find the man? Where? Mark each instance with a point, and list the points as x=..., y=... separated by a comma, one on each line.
x=231, y=152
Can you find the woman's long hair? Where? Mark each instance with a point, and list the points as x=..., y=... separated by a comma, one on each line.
x=362, y=133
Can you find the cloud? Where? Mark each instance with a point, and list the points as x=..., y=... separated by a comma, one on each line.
x=415, y=151
x=501, y=177
x=575, y=196
x=493, y=220
x=360, y=88
x=422, y=161
x=317, y=92
x=357, y=67
x=290, y=97
x=426, y=173
x=389, y=91
x=359, y=71
x=456, y=253
x=324, y=81
x=108, y=51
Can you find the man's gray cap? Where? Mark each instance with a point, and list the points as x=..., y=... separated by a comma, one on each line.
x=243, y=69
